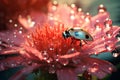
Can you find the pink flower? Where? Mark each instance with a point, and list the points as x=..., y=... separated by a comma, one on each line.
x=44, y=46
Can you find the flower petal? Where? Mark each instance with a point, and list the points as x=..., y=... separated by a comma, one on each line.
x=11, y=61
x=21, y=75
x=66, y=74
x=97, y=67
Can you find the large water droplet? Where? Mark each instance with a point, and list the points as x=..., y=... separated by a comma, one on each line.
x=101, y=9
x=108, y=23
x=87, y=17
x=115, y=54
x=55, y=4
x=98, y=25
x=45, y=55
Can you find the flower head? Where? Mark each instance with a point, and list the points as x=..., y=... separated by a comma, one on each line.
x=45, y=47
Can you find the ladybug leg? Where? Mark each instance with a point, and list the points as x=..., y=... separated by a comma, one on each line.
x=80, y=43
x=85, y=42
x=72, y=40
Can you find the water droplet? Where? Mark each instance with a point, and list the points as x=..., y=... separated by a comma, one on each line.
x=2, y=67
x=56, y=58
x=45, y=55
x=20, y=32
x=108, y=23
x=72, y=50
x=83, y=67
x=98, y=25
x=28, y=36
x=55, y=3
x=15, y=36
x=108, y=47
x=8, y=39
x=109, y=34
x=15, y=25
x=18, y=62
x=101, y=9
x=64, y=61
x=51, y=49
x=10, y=21
x=79, y=10
x=0, y=42
x=110, y=68
x=115, y=54
x=21, y=28
x=29, y=62
x=54, y=7
x=13, y=65
x=94, y=67
x=73, y=6
x=87, y=17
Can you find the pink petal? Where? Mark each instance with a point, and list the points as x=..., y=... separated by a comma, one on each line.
x=66, y=74
x=11, y=62
x=97, y=67
x=12, y=37
x=21, y=75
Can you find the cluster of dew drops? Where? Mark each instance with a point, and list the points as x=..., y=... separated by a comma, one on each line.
x=7, y=41
x=101, y=9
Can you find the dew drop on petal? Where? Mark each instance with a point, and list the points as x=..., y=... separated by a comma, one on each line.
x=109, y=34
x=110, y=68
x=10, y=20
x=98, y=25
x=108, y=47
x=108, y=23
x=0, y=42
x=29, y=62
x=94, y=67
x=15, y=25
x=79, y=10
x=87, y=17
x=115, y=54
x=101, y=8
x=64, y=61
x=1, y=67
x=45, y=55
x=13, y=65
x=55, y=4
x=56, y=58
x=72, y=50
x=20, y=32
